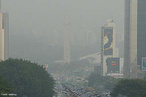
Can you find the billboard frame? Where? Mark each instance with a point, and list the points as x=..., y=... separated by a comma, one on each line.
x=142, y=65
x=114, y=65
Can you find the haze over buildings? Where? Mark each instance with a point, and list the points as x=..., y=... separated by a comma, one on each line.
x=37, y=26
x=67, y=41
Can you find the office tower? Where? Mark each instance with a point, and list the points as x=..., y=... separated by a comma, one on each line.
x=4, y=30
x=67, y=41
x=135, y=36
x=4, y=34
x=108, y=43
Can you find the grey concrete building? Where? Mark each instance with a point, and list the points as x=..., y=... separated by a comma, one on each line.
x=135, y=36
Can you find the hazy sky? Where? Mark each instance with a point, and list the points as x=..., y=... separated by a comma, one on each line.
x=48, y=16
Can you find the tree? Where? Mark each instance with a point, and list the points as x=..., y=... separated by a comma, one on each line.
x=101, y=83
x=27, y=78
x=5, y=88
x=130, y=88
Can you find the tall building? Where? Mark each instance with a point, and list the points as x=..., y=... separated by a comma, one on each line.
x=4, y=34
x=135, y=36
x=67, y=41
x=108, y=43
x=4, y=37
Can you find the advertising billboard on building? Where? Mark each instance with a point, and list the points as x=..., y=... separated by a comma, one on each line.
x=113, y=65
x=108, y=41
x=143, y=64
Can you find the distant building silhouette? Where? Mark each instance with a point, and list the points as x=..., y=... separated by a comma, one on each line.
x=67, y=41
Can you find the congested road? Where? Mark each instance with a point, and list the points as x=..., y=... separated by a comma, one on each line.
x=69, y=89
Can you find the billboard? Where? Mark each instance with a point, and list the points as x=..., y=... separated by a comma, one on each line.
x=108, y=41
x=113, y=65
x=143, y=64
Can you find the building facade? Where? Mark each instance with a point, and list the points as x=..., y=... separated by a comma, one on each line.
x=135, y=33
x=108, y=44
x=4, y=36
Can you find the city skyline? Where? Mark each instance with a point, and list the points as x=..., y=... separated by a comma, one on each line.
x=42, y=22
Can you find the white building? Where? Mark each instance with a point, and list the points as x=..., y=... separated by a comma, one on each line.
x=108, y=43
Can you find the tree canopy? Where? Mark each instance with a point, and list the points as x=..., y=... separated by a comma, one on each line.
x=101, y=83
x=27, y=78
x=5, y=87
x=130, y=88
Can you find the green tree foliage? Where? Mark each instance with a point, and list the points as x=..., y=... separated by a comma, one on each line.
x=5, y=88
x=101, y=83
x=27, y=78
x=130, y=88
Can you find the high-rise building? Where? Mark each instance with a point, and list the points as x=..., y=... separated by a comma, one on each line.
x=4, y=30
x=135, y=36
x=4, y=34
x=108, y=43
